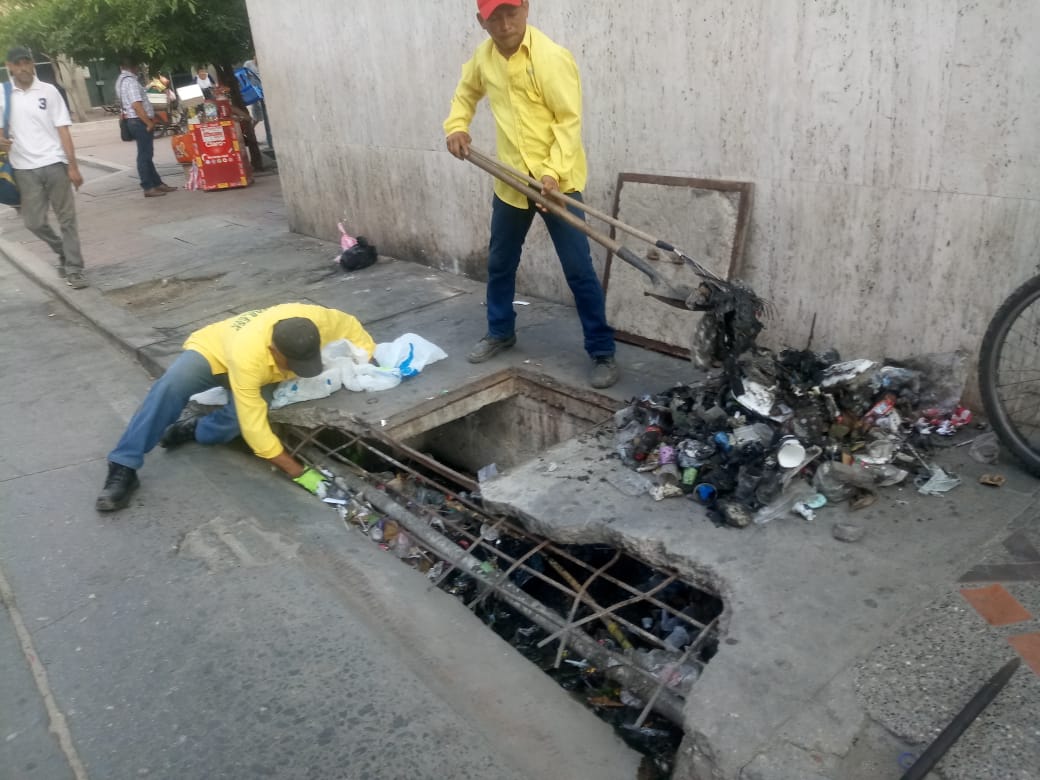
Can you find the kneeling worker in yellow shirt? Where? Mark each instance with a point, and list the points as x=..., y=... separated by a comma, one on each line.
x=242, y=354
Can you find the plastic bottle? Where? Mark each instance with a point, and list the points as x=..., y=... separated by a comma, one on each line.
x=797, y=492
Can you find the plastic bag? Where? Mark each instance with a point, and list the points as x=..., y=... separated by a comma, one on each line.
x=346, y=241
x=342, y=348
x=360, y=255
x=215, y=396
x=293, y=391
x=409, y=354
x=838, y=482
x=943, y=376
x=366, y=377
x=343, y=361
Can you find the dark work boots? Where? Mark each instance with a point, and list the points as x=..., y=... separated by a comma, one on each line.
x=181, y=432
x=121, y=482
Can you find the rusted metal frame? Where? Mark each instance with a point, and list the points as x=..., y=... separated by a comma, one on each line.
x=518, y=564
x=740, y=231
x=574, y=607
x=694, y=646
x=745, y=189
x=596, y=614
x=634, y=591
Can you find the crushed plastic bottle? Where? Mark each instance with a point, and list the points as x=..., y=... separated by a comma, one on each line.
x=796, y=492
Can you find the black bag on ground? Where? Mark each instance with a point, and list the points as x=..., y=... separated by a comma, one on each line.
x=361, y=255
x=124, y=129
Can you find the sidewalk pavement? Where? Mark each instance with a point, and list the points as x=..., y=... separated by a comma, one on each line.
x=838, y=661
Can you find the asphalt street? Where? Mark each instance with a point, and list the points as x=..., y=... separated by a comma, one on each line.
x=226, y=625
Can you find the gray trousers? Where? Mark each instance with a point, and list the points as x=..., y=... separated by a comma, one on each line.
x=43, y=189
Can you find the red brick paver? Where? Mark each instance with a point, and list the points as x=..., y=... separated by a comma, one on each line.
x=1028, y=646
x=996, y=605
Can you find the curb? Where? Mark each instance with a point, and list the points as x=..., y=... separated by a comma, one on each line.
x=118, y=325
x=101, y=165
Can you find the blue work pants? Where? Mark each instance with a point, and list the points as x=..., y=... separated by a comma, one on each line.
x=189, y=374
x=145, y=151
x=509, y=227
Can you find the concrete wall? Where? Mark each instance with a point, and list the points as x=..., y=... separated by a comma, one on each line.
x=893, y=145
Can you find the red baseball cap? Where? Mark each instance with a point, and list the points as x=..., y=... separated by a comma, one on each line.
x=487, y=7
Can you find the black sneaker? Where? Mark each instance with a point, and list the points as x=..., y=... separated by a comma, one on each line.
x=605, y=372
x=181, y=432
x=121, y=482
x=488, y=347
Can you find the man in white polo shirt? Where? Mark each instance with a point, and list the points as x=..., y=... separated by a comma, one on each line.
x=40, y=146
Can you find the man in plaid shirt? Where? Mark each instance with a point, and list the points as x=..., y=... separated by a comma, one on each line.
x=140, y=118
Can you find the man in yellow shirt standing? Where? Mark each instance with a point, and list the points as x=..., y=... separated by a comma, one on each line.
x=243, y=354
x=534, y=90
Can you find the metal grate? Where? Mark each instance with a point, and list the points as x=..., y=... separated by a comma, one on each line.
x=469, y=540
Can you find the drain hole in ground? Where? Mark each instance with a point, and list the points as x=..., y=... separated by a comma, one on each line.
x=625, y=638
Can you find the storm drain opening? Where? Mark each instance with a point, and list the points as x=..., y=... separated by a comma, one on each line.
x=509, y=418
x=624, y=637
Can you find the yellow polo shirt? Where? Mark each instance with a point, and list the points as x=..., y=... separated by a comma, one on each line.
x=535, y=97
x=239, y=347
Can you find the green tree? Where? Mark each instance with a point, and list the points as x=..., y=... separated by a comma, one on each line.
x=158, y=33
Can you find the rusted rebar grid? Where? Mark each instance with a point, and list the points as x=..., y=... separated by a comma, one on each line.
x=514, y=530
x=632, y=589
x=549, y=620
x=561, y=647
x=599, y=612
x=306, y=437
x=693, y=647
x=505, y=575
x=612, y=627
x=615, y=665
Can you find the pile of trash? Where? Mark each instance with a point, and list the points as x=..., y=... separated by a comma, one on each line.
x=791, y=432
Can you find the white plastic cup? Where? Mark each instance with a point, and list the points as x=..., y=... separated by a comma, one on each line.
x=791, y=453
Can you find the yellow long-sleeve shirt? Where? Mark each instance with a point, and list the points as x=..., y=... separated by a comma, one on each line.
x=535, y=97
x=239, y=347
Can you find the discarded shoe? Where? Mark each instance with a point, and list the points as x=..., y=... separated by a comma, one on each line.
x=488, y=347
x=76, y=280
x=120, y=483
x=181, y=432
x=605, y=372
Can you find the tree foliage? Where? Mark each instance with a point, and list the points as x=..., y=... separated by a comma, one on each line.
x=160, y=33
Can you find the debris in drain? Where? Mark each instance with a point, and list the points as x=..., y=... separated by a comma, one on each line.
x=756, y=441
x=624, y=638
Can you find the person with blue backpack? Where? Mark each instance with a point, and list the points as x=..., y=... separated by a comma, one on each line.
x=251, y=88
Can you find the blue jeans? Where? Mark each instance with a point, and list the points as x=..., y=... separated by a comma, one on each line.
x=189, y=374
x=509, y=227
x=145, y=167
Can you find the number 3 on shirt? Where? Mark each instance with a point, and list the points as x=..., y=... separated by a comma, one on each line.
x=43, y=104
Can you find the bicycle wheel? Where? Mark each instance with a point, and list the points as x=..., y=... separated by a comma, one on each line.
x=1009, y=373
